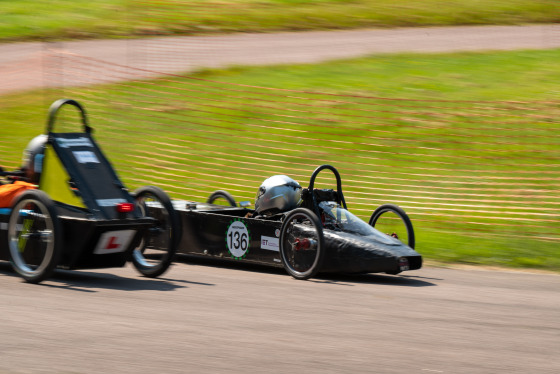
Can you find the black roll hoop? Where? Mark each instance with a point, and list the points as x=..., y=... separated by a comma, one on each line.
x=54, y=108
x=340, y=196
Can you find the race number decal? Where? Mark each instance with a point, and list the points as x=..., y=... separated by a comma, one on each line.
x=238, y=239
x=114, y=241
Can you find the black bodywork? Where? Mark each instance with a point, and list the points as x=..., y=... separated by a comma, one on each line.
x=81, y=234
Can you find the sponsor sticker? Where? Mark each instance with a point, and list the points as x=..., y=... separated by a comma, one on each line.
x=238, y=239
x=403, y=264
x=270, y=243
x=114, y=242
x=78, y=142
x=109, y=202
x=85, y=157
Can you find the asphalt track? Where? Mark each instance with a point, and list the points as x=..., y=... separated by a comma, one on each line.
x=26, y=66
x=203, y=318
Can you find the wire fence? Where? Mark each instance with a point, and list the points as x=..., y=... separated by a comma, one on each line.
x=472, y=168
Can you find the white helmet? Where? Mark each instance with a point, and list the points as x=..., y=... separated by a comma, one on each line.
x=276, y=194
x=33, y=158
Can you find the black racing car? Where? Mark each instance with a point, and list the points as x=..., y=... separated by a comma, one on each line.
x=81, y=216
x=306, y=231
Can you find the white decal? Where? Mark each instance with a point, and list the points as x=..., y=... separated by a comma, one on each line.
x=277, y=233
x=83, y=157
x=114, y=241
x=3, y=226
x=270, y=243
x=109, y=202
x=237, y=239
x=79, y=142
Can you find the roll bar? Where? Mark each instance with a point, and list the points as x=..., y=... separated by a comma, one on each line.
x=53, y=110
x=338, y=184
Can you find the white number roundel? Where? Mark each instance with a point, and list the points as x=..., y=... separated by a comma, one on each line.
x=237, y=239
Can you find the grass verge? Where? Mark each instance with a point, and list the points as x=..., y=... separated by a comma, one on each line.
x=56, y=19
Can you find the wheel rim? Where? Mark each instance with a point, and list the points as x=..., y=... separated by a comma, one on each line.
x=393, y=224
x=153, y=247
x=31, y=237
x=301, y=245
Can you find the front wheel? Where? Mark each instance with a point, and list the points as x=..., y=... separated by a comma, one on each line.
x=392, y=220
x=34, y=236
x=302, y=248
x=154, y=254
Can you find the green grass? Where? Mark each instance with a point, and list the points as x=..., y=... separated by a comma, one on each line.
x=476, y=168
x=25, y=19
x=520, y=75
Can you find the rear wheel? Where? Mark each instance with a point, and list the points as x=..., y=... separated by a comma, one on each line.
x=218, y=197
x=154, y=254
x=34, y=236
x=392, y=220
x=302, y=244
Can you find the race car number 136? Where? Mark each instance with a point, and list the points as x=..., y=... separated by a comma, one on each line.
x=238, y=239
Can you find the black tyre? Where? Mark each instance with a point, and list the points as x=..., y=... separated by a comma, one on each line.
x=34, y=236
x=154, y=254
x=217, y=196
x=392, y=220
x=302, y=244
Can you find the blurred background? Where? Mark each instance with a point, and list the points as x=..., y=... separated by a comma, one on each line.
x=441, y=107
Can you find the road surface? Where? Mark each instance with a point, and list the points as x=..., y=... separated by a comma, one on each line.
x=200, y=318
x=26, y=66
